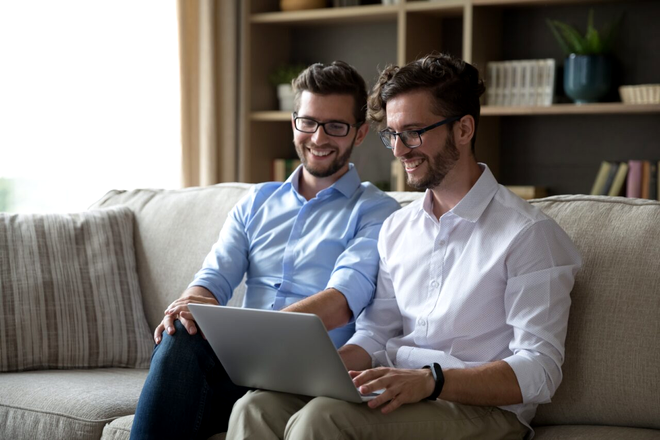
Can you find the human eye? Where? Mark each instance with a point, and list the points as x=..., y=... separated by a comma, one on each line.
x=307, y=124
x=336, y=128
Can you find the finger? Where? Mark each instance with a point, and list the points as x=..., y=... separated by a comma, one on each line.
x=369, y=375
x=189, y=324
x=385, y=397
x=354, y=374
x=391, y=406
x=186, y=315
x=158, y=333
x=168, y=324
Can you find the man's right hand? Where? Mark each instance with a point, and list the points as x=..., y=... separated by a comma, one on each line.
x=179, y=310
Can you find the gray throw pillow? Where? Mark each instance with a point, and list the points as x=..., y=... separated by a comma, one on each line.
x=69, y=292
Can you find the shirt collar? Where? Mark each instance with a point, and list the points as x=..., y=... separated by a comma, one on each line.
x=347, y=184
x=475, y=201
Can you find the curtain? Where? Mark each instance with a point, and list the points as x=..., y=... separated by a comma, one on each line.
x=208, y=33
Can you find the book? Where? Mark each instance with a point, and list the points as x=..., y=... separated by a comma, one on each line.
x=520, y=82
x=634, y=181
x=614, y=167
x=282, y=168
x=646, y=179
x=653, y=181
x=619, y=180
x=601, y=178
x=528, y=192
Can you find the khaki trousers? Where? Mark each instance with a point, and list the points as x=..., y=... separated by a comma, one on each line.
x=265, y=415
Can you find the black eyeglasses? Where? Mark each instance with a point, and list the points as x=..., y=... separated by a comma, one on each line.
x=411, y=138
x=332, y=128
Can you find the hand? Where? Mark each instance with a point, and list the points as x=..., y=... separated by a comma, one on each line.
x=401, y=386
x=179, y=310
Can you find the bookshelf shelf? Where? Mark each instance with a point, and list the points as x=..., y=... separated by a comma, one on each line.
x=353, y=14
x=572, y=109
x=560, y=154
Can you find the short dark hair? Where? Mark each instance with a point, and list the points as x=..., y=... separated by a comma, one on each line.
x=339, y=78
x=454, y=84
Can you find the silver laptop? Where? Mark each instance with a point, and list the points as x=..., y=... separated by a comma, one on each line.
x=277, y=351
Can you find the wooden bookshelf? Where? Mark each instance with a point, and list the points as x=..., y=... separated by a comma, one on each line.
x=480, y=31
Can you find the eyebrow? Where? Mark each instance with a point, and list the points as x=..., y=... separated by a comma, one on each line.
x=323, y=122
x=408, y=127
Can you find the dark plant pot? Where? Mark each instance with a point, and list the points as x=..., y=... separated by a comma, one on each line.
x=587, y=78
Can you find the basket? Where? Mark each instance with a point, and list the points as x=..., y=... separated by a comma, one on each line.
x=642, y=94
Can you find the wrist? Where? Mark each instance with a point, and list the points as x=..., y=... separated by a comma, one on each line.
x=438, y=379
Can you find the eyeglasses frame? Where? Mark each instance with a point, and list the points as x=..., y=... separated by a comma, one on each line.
x=322, y=124
x=419, y=132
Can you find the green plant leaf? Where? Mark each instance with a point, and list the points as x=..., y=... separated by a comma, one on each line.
x=575, y=41
x=558, y=37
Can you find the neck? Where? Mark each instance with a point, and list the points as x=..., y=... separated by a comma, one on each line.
x=455, y=186
x=309, y=186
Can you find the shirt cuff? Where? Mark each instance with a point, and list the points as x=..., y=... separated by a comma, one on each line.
x=211, y=288
x=532, y=378
x=357, y=290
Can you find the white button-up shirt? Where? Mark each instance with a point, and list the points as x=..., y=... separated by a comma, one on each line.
x=490, y=280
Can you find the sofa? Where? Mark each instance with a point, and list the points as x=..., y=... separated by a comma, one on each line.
x=611, y=385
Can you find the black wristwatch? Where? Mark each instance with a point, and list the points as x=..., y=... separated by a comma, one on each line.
x=439, y=379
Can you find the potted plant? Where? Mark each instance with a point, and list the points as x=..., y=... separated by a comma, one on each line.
x=282, y=79
x=588, y=66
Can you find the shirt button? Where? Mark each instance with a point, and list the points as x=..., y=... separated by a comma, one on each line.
x=434, y=284
x=421, y=322
x=442, y=243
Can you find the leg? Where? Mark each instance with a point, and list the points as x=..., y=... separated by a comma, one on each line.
x=187, y=393
x=325, y=418
x=263, y=415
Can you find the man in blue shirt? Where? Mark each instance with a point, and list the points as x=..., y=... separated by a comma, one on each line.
x=307, y=245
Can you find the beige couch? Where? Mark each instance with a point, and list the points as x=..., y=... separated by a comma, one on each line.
x=611, y=386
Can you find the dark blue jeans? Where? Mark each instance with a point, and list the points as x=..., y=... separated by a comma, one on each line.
x=187, y=394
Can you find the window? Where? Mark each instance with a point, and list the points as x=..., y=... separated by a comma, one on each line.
x=89, y=101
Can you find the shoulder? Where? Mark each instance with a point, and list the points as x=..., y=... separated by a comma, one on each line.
x=256, y=197
x=369, y=196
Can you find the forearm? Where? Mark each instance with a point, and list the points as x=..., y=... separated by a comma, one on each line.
x=330, y=305
x=355, y=358
x=493, y=384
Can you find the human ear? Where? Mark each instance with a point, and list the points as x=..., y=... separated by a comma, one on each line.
x=362, y=131
x=464, y=130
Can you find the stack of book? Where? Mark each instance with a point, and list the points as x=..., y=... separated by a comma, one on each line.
x=282, y=168
x=520, y=83
x=635, y=178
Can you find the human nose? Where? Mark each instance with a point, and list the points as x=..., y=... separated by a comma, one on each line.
x=398, y=147
x=320, y=135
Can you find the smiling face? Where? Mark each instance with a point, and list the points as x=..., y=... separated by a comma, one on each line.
x=326, y=156
x=427, y=165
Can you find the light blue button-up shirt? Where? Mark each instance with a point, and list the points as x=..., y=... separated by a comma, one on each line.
x=292, y=248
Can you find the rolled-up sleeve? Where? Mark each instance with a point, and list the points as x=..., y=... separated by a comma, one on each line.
x=227, y=262
x=381, y=321
x=356, y=269
x=542, y=265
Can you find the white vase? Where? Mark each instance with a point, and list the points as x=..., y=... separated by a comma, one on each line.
x=285, y=95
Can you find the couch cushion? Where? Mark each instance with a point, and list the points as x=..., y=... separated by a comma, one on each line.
x=66, y=404
x=175, y=229
x=612, y=365
x=69, y=293
x=120, y=429
x=589, y=432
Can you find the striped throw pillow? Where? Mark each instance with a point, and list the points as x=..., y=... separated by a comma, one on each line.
x=69, y=292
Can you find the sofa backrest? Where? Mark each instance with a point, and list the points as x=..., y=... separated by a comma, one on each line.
x=174, y=231
x=612, y=364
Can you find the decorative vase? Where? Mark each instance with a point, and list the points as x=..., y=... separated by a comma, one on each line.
x=285, y=96
x=587, y=78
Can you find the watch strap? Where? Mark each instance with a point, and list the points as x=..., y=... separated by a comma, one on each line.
x=439, y=379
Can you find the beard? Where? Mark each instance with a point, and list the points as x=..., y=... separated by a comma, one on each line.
x=323, y=171
x=438, y=165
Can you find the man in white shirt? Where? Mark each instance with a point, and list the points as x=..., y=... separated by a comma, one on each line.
x=467, y=328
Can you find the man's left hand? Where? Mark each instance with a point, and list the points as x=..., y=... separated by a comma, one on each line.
x=401, y=386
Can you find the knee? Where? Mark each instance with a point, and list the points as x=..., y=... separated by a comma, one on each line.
x=179, y=346
x=254, y=401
